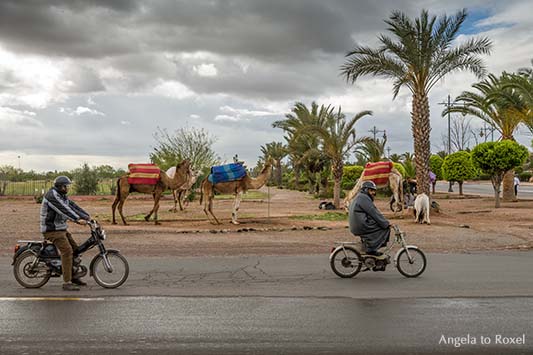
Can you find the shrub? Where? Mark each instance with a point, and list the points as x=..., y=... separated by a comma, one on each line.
x=86, y=180
x=458, y=167
x=435, y=165
x=525, y=176
x=400, y=168
x=350, y=176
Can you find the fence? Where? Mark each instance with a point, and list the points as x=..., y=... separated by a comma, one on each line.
x=37, y=187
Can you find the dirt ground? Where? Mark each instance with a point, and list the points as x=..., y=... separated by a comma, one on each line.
x=464, y=225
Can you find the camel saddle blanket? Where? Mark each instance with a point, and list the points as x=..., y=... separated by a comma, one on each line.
x=225, y=173
x=377, y=172
x=146, y=174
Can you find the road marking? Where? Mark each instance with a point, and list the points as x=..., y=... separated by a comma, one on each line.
x=50, y=299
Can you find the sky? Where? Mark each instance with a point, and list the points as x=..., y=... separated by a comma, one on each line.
x=91, y=81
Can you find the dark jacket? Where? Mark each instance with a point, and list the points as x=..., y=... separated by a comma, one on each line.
x=56, y=209
x=367, y=222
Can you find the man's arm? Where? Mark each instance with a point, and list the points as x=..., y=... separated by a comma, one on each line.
x=373, y=212
x=60, y=206
x=84, y=215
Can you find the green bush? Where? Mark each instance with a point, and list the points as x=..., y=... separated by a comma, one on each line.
x=458, y=167
x=435, y=165
x=525, y=176
x=350, y=176
x=400, y=168
x=86, y=180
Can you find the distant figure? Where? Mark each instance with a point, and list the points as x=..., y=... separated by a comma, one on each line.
x=432, y=181
x=516, y=184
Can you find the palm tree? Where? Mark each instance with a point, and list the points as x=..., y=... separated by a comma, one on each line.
x=338, y=138
x=304, y=149
x=277, y=151
x=372, y=149
x=420, y=57
x=501, y=106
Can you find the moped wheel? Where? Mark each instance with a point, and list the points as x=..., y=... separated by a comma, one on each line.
x=414, y=267
x=346, y=262
x=28, y=275
x=110, y=278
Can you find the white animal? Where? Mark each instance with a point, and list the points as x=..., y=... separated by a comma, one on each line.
x=422, y=208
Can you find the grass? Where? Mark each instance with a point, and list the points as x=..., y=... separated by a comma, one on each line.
x=328, y=216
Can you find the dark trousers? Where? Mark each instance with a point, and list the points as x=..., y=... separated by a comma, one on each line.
x=66, y=245
x=516, y=190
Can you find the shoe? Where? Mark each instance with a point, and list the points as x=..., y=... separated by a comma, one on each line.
x=79, y=282
x=70, y=287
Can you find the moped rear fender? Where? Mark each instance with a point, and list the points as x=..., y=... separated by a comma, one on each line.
x=400, y=250
x=340, y=247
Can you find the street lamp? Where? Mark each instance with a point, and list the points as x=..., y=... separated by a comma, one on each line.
x=19, y=160
x=483, y=132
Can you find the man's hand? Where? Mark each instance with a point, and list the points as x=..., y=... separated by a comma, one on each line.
x=82, y=222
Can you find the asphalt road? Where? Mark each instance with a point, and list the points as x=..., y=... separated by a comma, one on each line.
x=278, y=305
x=525, y=190
x=259, y=325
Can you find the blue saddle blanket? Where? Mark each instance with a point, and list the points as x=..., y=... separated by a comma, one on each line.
x=224, y=173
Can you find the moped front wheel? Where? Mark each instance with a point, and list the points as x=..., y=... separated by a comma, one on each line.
x=411, y=264
x=346, y=262
x=29, y=272
x=110, y=273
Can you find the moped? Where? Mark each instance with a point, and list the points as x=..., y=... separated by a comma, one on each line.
x=346, y=261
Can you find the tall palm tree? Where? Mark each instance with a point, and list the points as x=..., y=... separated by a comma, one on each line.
x=277, y=151
x=501, y=106
x=418, y=58
x=338, y=139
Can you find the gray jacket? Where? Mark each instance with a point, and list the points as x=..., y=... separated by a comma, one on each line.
x=56, y=209
x=367, y=222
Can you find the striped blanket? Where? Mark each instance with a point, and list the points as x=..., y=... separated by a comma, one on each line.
x=377, y=172
x=143, y=174
x=224, y=173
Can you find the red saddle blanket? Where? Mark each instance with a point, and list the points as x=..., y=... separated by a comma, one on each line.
x=377, y=172
x=143, y=174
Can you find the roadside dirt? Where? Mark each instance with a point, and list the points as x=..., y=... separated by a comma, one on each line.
x=465, y=224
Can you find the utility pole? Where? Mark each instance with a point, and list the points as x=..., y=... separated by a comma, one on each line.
x=375, y=131
x=388, y=152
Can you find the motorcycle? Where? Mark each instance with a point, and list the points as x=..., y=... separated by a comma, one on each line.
x=346, y=261
x=36, y=261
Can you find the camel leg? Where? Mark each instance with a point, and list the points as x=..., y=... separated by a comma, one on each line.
x=121, y=205
x=156, y=208
x=113, y=208
x=147, y=217
x=236, y=204
x=179, y=198
x=174, y=194
x=210, y=208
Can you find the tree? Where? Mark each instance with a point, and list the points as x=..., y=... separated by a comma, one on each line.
x=435, y=165
x=85, y=180
x=395, y=157
x=350, y=176
x=372, y=149
x=277, y=151
x=418, y=58
x=185, y=143
x=338, y=138
x=458, y=167
x=496, y=159
x=8, y=174
x=499, y=105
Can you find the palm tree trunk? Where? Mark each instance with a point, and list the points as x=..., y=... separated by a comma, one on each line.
x=297, y=178
x=278, y=173
x=337, y=170
x=508, y=186
x=421, y=128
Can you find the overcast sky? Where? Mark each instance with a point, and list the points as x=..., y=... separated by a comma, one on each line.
x=92, y=80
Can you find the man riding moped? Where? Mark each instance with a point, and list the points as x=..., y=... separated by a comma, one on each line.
x=56, y=209
x=367, y=222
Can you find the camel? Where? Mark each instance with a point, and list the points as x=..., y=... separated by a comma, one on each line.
x=237, y=187
x=394, y=182
x=181, y=193
x=124, y=188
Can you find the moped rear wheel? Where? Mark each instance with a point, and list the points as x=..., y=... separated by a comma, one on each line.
x=413, y=267
x=346, y=262
x=29, y=275
x=110, y=278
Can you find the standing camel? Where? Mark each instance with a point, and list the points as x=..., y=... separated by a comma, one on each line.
x=182, y=176
x=182, y=192
x=395, y=182
x=236, y=187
